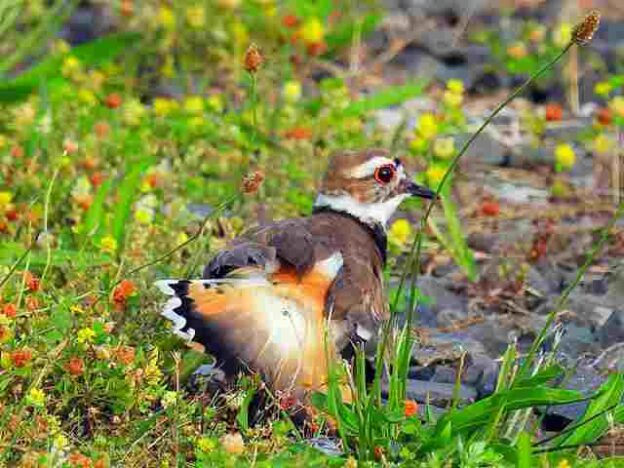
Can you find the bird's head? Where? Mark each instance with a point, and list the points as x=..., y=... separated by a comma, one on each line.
x=369, y=185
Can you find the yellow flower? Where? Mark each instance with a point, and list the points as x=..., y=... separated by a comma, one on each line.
x=563, y=34
x=215, y=103
x=166, y=18
x=3, y=141
x=164, y=106
x=312, y=31
x=86, y=96
x=400, y=232
x=60, y=441
x=76, y=309
x=603, y=89
x=455, y=86
x=564, y=463
x=233, y=443
x=36, y=397
x=564, y=157
x=169, y=399
x=617, y=106
x=292, y=91
x=133, y=112
x=444, y=148
x=194, y=105
x=71, y=67
x=5, y=200
x=108, y=244
x=181, y=238
x=144, y=216
x=452, y=99
x=434, y=175
x=427, y=127
x=196, y=16
x=603, y=144
x=206, y=444
x=85, y=335
x=60, y=46
x=419, y=145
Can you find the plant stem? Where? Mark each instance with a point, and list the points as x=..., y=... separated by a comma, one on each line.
x=561, y=302
x=413, y=263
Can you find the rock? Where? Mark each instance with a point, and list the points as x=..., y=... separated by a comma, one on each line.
x=612, y=332
x=611, y=359
x=442, y=296
x=420, y=373
x=328, y=445
x=481, y=373
x=584, y=379
x=438, y=394
x=444, y=374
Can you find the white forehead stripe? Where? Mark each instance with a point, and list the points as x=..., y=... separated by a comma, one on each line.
x=368, y=168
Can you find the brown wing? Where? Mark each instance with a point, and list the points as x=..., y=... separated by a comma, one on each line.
x=289, y=241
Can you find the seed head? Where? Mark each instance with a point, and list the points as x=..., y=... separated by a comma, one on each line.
x=253, y=59
x=583, y=32
x=252, y=182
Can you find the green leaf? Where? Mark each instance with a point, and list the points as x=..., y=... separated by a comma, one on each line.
x=524, y=450
x=126, y=194
x=387, y=97
x=242, y=418
x=94, y=219
x=11, y=251
x=542, y=377
x=594, y=423
x=475, y=415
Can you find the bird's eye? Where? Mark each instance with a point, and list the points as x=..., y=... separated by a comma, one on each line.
x=384, y=174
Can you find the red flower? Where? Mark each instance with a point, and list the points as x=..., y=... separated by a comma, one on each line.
x=113, y=100
x=378, y=452
x=21, y=357
x=317, y=48
x=96, y=179
x=290, y=21
x=286, y=402
x=490, y=208
x=12, y=215
x=75, y=366
x=410, y=408
x=10, y=310
x=554, y=112
x=298, y=133
x=604, y=116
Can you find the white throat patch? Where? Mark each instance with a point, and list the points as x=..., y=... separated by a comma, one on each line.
x=369, y=213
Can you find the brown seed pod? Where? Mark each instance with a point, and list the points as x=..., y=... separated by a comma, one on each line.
x=252, y=182
x=253, y=58
x=583, y=32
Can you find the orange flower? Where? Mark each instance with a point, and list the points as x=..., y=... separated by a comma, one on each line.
x=70, y=146
x=33, y=283
x=290, y=21
x=125, y=355
x=101, y=129
x=411, y=408
x=123, y=291
x=17, y=151
x=75, y=366
x=79, y=460
x=12, y=214
x=10, y=310
x=316, y=48
x=21, y=357
x=554, y=113
x=298, y=133
x=32, y=303
x=113, y=100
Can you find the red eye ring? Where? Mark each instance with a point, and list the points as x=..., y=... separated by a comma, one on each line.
x=385, y=174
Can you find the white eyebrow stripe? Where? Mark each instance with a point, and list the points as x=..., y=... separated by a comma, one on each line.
x=368, y=168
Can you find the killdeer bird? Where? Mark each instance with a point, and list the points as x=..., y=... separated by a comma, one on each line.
x=266, y=303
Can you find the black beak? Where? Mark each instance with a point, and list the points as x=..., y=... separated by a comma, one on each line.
x=407, y=186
